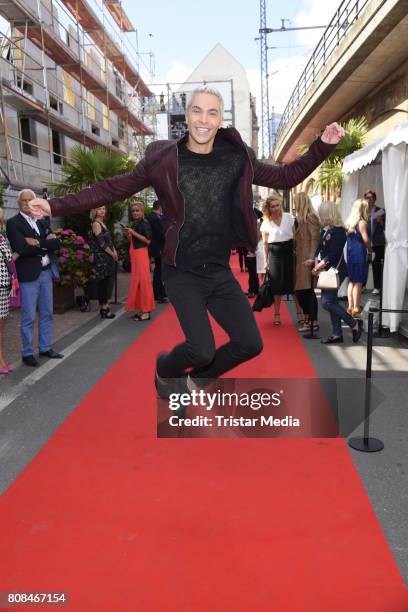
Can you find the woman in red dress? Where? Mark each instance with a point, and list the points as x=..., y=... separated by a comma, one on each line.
x=140, y=296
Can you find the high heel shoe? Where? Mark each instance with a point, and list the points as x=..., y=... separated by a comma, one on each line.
x=5, y=370
x=141, y=317
x=356, y=312
x=106, y=313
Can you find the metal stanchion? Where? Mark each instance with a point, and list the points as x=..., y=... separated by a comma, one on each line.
x=367, y=444
x=311, y=335
x=383, y=332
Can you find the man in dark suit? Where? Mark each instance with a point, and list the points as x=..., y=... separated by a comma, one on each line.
x=376, y=232
x=33, y=241
x=155, y=251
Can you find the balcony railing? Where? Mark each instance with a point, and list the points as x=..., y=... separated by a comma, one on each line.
x=347, y=13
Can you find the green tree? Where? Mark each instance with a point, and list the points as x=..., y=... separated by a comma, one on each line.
x=2, y=190
x=330, y=173
x=85, y=168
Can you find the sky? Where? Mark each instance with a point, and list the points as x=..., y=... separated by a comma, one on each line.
x=180, y=33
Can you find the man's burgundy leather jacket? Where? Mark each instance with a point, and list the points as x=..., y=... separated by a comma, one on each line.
x=159, y=168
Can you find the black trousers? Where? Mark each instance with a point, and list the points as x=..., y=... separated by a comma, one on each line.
x=377, y=266
x=242, y=252
x=253, y=281
x=308, y=302
x=209, y=289
x=158, y=287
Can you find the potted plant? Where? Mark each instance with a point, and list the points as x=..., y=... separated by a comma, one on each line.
x=75, y=268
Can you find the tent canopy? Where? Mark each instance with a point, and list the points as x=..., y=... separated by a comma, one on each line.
x=366, y=155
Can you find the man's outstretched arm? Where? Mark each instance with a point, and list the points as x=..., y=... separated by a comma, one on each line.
x=290, y=175
x=106, y=192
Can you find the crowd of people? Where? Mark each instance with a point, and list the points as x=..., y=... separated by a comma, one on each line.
x=294, y=249
x=28, y=264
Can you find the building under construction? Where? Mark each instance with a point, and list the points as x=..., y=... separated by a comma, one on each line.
x=67, y=77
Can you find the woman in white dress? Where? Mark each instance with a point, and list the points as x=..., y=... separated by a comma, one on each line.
x=277, y=233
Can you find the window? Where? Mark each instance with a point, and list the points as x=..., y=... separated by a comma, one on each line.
x=56, y=105
x=27, y=131
x=115, y=143
x=121, y=129
x=69, y=95
x=25, y=85
x=95, y=130
x=105, y=113
x=119, y=88
x=91, y=110
x=57, y=147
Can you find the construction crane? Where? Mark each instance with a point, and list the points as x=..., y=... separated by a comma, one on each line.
x=263, y=31
x=266, y=136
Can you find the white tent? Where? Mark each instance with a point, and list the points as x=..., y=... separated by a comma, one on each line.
x=383, y=166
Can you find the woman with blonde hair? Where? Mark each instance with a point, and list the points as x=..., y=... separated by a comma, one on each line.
x=277, y=233
x=105, y=256
x=140, y=296
x=329, y=254
x=307, y=235
x=358, y=248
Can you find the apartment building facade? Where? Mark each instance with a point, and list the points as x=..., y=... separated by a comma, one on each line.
x=67, y=78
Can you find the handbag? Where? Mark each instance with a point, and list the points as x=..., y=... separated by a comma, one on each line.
x=264, y=299
x=330, y=279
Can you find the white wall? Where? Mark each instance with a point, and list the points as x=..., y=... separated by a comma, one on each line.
x=221, y=65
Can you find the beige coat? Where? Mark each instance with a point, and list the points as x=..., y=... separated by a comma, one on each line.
x=307, y=238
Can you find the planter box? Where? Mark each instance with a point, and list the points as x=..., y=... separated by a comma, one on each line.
x=64, y=298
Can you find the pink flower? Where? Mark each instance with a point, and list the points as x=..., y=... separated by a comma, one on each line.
x=62, y=260
x=66, y=232
x=64, y=252
x=79, y=255
x=79, y=241
x=91, y=258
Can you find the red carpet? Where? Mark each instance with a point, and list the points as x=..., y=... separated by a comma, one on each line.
x=124, y=522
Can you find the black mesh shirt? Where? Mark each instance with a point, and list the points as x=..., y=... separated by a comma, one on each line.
x=207, y=183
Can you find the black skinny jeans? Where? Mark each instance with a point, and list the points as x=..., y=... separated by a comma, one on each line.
x=194, y=294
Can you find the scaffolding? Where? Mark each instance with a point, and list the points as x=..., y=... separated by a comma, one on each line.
x=65, y=66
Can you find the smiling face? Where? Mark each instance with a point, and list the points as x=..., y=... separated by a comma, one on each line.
x=25, y=197
x=275, y=209
x=101, y=212
x=203, y=118
x=137, y=212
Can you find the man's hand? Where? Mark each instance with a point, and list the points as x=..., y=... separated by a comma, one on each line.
x=39, y=208
x=51, y=236
x=32, y=241
x=333, y=134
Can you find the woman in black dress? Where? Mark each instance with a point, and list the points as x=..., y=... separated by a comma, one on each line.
x=277, y=233
x=105, y=256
